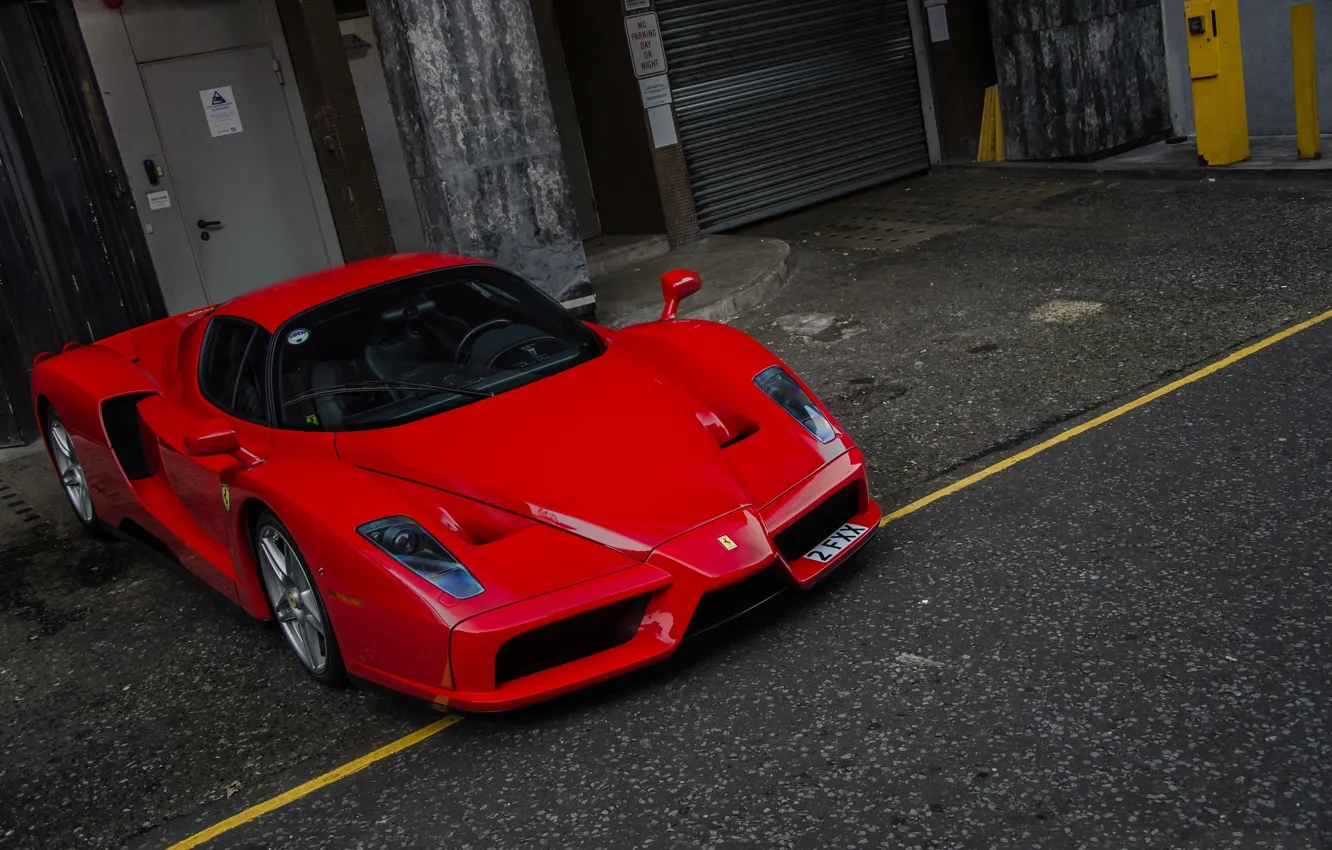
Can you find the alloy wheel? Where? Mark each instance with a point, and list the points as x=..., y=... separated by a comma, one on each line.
x=70, y=470
x=292, y=595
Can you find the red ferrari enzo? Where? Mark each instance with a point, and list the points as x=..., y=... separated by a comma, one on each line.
x=436, y=479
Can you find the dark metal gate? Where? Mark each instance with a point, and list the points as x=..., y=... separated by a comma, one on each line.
x=73, y=261
x=785, y=103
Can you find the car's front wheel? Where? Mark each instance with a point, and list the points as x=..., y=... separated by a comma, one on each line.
x=295, y=602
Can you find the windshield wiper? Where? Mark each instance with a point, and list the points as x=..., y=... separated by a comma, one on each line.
x=370, y=386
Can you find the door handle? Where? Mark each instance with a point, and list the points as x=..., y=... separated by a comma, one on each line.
x=204, y=224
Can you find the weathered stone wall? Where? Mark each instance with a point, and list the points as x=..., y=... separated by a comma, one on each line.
x=1079, y=77
x=469, y=90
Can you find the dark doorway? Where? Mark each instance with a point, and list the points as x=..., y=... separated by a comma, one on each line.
x=963, y=64
x=72, y=257
x=610, y=116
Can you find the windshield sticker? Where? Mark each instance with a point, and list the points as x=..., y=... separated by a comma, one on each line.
x=298, y=336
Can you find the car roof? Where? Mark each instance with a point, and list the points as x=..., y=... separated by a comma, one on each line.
x=272, y=305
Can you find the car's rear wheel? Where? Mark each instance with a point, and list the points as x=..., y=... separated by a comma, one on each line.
x=70, y=471
x=295, y=602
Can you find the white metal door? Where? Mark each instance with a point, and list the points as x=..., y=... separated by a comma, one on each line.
x=240, y=183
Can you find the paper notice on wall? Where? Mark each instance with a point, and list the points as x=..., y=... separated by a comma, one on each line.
x=938, y=22
x=655, y=90
x=220, y=109
x=158, y=200
x=662, y=123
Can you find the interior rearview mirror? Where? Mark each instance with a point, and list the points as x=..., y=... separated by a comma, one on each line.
x=676, y=286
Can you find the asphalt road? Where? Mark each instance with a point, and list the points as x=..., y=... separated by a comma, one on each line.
x=1121, y=642
x=136, y=706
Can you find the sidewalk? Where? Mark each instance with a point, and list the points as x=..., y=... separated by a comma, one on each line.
x=738, y=272
x=1269, y=156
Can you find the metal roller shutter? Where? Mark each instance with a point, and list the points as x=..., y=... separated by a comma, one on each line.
x=784, y=103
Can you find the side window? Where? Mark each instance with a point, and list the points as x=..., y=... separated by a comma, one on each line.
x=231, y=367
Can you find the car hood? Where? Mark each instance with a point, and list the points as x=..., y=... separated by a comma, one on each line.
x=607, y=450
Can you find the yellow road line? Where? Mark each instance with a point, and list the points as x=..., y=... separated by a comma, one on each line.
x=420, y=735
x=1104, y=418
x=315, y=784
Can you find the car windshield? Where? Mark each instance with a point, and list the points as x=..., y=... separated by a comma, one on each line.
x=421, y=345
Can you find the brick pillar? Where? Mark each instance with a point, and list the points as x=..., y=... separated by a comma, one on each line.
x=468, y=87
x=677, y=194
x=334, y=114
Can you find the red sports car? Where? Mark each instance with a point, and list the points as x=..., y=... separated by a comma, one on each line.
x=436, y=479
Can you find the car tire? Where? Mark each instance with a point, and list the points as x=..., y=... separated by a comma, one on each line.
x=69, y=472
x=295, y=602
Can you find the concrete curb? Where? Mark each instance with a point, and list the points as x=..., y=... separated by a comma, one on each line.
x=604, y=262
x=758, y=289
x=733, y=281
x=1084, y=169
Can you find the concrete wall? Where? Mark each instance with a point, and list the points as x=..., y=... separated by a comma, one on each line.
x=1080, y=77
x=1177, y=65
x=1269, y=83
x=381, y=129
x=469, y=90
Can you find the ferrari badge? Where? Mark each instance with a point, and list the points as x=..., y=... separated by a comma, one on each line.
x=727, y=543
x=226, y=497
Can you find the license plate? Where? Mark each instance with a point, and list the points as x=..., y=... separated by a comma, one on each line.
x=833, y=546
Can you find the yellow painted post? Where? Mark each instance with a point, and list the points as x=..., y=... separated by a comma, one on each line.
x=1306, y=80
x=1216, y=66
x=991, y=148
x=987, y=118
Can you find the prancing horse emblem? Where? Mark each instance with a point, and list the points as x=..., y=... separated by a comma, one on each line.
x=727, y=543
x=226, y=498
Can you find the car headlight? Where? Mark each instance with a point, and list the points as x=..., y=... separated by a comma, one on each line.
x=777, y=385
x=404, y=540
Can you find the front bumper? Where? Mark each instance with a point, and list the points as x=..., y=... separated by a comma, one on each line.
x=561, y=641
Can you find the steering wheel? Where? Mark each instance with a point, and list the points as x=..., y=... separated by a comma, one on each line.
x=521, y=344
x=469, y=339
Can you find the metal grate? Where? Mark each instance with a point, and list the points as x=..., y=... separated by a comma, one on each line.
x=911, y=211
x=819, y=523
x=725, y=604
x=24, y=512
x=569, y=639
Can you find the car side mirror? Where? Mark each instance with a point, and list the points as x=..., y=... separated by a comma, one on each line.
x=211, y=437
x=676, y=286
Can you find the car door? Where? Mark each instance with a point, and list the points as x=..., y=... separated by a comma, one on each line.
x=231, y=383
x=232, y=364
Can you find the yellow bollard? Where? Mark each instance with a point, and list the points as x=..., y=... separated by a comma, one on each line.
x=1216, y=66
x=1306, y=80
x=985, y=152
x=992, y=129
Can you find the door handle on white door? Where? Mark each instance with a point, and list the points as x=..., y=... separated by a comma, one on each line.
x=203, y=224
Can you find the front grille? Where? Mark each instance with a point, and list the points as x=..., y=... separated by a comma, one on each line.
x=568, y=640
x=727, y=603
x=818, y=525
x=120, y=417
